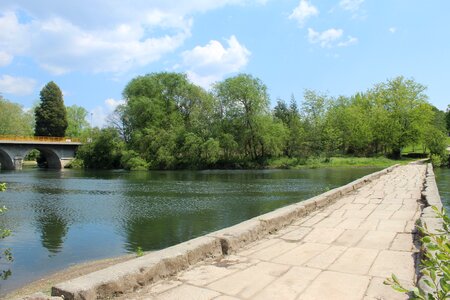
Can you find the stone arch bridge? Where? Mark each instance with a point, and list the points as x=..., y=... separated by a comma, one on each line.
x=58, y=151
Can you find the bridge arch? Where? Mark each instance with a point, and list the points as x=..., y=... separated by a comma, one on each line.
x=53, y=159
x=6, y=161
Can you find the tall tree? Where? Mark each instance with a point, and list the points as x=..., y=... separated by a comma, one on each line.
x=447, y=119
x=76, y=119
x=14, y=120
x=243, y=99
x=51, y=116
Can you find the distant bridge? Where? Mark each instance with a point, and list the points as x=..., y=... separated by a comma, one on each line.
x=58, y=151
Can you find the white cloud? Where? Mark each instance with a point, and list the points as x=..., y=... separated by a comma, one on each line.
x=326, y=38
x=104, y=36
x=330, y=38
x=392, y=30
x=210, y=63
x=19, y=86
x=351, y=5
x=5, y=59
x=99, y=115
x=304, y=11
x=348, y=42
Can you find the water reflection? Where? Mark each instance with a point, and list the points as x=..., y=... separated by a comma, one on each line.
x=51, y=215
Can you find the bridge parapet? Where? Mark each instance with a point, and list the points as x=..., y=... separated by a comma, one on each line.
x=37, y=139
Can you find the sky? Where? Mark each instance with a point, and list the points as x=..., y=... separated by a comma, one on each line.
x=92, y=49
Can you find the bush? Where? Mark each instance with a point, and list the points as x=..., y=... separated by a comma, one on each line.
x=75, y=164
x=435, y=265
x=132, y=161
x=4, y=253
x=439, y=160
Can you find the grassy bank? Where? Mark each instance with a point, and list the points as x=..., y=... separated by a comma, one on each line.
x=321, y=162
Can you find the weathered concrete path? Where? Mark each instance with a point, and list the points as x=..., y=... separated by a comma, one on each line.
x=343, y=251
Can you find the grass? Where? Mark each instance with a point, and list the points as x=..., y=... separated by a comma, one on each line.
x=335, y=162
x=418, y=148
x=448, y=141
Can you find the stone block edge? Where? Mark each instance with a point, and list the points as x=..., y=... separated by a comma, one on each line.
x=430, y=197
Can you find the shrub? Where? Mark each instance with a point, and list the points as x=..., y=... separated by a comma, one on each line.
x=132, y=161
x=4, y=253
x=435, y=264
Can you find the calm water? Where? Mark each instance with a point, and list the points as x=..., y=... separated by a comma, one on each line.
x=443, y=182
x=60, y=218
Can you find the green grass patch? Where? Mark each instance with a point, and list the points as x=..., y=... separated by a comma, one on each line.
x=335, y=162
x=418, y=148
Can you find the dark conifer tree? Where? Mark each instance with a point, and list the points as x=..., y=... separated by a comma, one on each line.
x=51, y=117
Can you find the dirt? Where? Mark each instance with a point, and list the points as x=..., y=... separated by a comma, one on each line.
x=44, y=284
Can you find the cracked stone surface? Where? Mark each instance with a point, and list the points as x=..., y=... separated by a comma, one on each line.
x=343, y=251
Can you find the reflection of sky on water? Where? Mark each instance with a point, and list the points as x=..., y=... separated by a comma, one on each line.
x=443, y=182
x=63, y=218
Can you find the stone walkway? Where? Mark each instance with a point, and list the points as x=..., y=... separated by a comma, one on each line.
x=344, y=251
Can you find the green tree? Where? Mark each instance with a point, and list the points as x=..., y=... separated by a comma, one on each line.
x=447, y=119
x=104, y=151
x=314, y=111
x=242, y=99
x=77, y=120
x=50, y=115
x=405, y=105
x=161, y=110
x=14, y=120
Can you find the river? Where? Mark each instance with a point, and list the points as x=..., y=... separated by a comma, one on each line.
x=443, y=182
x=61, y=218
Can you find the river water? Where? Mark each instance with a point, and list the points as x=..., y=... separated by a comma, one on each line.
x=61, y=218
x=443, y=182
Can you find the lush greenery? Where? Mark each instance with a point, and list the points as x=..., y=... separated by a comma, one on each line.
x=435, y=264
x=14, y=120
x=5, y=254
x=168, y=122
x=447, y=119
x=77, y=123
x=50, y=115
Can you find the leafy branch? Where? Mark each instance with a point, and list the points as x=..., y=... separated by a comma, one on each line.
x=6, y=253
x=435, y=264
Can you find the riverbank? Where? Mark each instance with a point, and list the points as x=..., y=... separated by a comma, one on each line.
x=44, y=284
x=336, y=162
x=306, y=163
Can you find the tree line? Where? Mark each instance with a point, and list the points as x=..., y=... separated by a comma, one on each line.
x=167, y=122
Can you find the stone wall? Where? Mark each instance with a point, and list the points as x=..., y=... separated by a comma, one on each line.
x=430, y=197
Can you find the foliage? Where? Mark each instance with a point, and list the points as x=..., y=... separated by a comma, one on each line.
x=75, y=164
x=435, y=264
x=447, y=119
x=104, y=151
x=139, y=251
x=167, y=122
x=5, y=253
x=50, y=115
x=132, y=161
x=14, y=119
x=76, y=120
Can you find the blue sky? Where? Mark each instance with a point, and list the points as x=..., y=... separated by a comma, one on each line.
x=91, y=49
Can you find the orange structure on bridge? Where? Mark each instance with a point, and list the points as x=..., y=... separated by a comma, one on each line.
x=18, y=138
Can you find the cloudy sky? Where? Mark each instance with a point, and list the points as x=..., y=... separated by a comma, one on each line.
x=91, y=49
